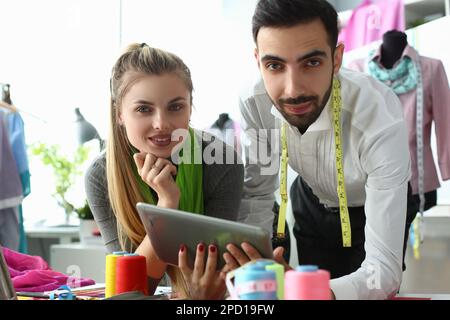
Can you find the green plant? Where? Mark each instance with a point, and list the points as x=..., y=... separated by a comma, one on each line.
x=84, y=212
x=65, y=171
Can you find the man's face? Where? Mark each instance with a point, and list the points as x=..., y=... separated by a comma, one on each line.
x=297, y=66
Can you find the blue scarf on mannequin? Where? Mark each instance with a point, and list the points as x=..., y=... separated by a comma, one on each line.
x=402, y=78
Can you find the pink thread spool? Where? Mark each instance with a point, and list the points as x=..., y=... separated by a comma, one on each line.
x=307, y=283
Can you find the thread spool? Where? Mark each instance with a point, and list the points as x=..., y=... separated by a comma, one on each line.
x=279, y=274
x=307, y=282
x=120, y=253
x=131, y=274
x=110, y=273
x=254, y=282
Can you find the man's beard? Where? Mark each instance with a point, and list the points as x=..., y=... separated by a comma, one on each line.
x=302, y=122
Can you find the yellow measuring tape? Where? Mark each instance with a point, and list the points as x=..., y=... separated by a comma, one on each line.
x=342, y=195
x=283, y=184
x=343, y=209
x=416, y=229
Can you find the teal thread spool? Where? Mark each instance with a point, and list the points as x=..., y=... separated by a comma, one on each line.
x=279, y=272
x=254, y=282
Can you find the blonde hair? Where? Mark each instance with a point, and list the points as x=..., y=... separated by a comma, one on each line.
x=123, y=190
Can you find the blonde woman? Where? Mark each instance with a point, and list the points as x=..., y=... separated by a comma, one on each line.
x=151, y=98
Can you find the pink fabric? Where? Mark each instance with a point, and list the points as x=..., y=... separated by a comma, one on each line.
x=32, y=274
x=370, y=20
x=436, y=108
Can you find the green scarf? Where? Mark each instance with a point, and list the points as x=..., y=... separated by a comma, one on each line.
x=189, y=179
x=402, y=78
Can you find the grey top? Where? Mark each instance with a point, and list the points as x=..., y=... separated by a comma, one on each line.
x=222, y=189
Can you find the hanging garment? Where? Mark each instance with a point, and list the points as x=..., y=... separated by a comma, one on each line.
x=436, y=108
x=10, y=191
x=370, y=20
x=16, y=132
x=9, y=227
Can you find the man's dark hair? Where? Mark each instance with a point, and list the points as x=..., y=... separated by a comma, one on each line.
x=288, y=13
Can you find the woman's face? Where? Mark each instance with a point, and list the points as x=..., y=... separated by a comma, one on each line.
x=152, y=108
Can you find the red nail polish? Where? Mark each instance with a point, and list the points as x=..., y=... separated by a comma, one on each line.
x=201, y=247
x=212, y=248
x=182, y=247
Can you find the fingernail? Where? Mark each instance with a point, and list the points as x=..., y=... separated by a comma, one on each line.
x=201, y=247
x=212, y=248
x=182, y=247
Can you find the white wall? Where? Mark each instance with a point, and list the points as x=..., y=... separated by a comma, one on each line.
x=57, y=56
x=341, y=5
x=213, y=37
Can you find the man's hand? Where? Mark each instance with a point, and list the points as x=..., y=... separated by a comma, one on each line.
x=236, y=257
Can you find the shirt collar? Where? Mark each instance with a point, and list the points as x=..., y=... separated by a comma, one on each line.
x=408, y=51
x=322, y=123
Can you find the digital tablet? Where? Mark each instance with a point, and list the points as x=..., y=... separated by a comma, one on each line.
x=168, y=229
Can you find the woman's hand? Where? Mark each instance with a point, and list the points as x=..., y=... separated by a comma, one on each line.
x=158, y=173
x=204, y=282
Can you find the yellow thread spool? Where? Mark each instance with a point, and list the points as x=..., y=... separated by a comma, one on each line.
x=110, y=274
x=279, y=274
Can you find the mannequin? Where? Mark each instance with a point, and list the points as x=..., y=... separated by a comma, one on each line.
x=394, y=43
x=5, y=93
x=12, y=123
x=396, y=64
x=220, y=122
x=227, y=130
x=5, y=101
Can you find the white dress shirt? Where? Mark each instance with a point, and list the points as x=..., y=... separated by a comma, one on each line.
x=376, y=168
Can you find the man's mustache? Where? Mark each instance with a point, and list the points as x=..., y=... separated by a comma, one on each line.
x=298, y=100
